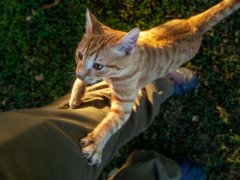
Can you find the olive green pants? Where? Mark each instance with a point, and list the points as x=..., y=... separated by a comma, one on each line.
x=42, y=143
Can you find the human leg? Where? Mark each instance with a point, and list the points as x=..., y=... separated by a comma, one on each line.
x=42, y=143
x=150, y=165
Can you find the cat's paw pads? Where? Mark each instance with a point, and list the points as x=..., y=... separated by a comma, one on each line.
x=91, y=150
x=74, y=103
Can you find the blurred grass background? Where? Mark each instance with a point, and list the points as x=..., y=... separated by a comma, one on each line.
x=37, y=66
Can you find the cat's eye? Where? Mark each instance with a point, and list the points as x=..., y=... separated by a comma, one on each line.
x=80, y=56
x=97, y=66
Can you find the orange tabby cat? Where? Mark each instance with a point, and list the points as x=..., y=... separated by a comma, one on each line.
x=129, y=61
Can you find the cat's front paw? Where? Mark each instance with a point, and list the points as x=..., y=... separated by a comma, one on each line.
x=91, y=149
x=74, y=102
x=78, y=91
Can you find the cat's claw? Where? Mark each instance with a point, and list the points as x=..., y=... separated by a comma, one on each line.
x=91, y=150
x=82, y=143
x=95, y=160
x=86, y=140
x=86, y=155
x=63, y=106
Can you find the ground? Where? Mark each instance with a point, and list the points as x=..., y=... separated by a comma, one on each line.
x=37, y=47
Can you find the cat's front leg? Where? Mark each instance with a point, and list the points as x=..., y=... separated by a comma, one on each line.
x=78, y=91
x=95, y=141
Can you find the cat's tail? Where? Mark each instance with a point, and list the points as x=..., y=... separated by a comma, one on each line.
x=206, y=20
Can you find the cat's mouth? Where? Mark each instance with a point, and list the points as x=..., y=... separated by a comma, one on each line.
x=89, y=81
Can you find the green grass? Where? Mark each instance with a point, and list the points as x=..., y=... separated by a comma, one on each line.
x=37, y=62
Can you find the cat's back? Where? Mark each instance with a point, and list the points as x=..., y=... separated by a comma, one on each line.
x=174, y=43
x=173, y=31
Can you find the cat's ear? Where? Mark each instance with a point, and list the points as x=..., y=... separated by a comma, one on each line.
x=93, y=26
x=128, y=42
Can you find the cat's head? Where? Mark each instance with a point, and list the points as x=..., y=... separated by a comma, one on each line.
x=103, y=52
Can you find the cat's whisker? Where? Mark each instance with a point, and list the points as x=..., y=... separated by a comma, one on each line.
x=71, y=78
x=65, y=75
x=70, y=65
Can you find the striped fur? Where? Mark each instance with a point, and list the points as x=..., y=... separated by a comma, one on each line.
x=131, y=60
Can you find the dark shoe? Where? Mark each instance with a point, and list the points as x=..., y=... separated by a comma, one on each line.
x=183, y=80
x=191, y=170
